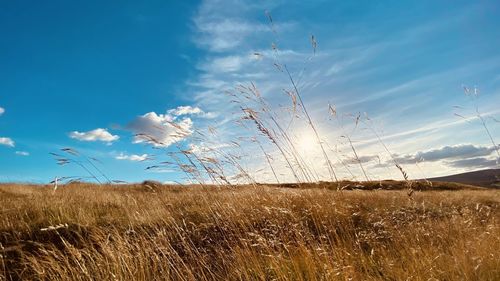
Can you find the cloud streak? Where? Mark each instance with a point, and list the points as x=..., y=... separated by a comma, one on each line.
x=219, y=29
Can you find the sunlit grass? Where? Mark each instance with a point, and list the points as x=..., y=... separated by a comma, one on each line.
x=90, y=232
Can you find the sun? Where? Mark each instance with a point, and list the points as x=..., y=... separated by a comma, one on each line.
x=306, y=142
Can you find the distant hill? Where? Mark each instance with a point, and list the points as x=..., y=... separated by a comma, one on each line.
x=486, y=178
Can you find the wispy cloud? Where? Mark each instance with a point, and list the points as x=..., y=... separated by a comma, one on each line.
x=223, y=64
x=2, y=110
x=393, y=76
x=223, y=34
x=22, y=153
x=98, y=134
x=219, y=28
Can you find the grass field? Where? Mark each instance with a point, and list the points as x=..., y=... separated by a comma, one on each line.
x=312, y=232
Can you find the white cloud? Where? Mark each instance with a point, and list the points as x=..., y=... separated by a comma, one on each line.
x=132, y=157
x=7, y=141
x=4, y=140
x=22, y=153
x=163, y=130
x=160, y=130
x=185, y=110
x=94, y=135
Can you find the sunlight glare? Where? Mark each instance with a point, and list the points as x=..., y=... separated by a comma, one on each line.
x=306, y=143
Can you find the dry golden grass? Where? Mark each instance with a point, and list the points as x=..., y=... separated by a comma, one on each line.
x=90, y=232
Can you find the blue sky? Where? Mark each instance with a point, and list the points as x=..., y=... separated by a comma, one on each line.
x=90, y=75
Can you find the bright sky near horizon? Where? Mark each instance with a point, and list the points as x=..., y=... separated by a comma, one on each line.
x=90, y=75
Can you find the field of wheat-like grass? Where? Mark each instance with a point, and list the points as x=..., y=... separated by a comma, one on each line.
x=143, y=232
